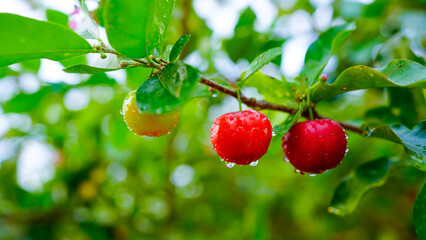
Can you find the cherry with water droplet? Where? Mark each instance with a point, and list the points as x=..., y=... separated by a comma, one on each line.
x=308, y=153
x=241, y=137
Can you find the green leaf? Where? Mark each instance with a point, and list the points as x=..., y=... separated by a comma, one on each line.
x=180, y=79
x=153, y=97
x=283, y=127
x=178, y=47
x=57, y=17
x=349, y=192
x=414, y=141
x=273, y=90
x=261, y=60
x=136, y=28
x=398, y=73
x=320, y=51
x=25, y=38
x=88, y=69
x=419, y=213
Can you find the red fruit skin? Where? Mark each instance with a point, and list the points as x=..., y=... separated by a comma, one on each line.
x=241, y=137
x=315, y=146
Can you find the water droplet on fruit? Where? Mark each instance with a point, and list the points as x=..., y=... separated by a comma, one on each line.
x=222, y=160
x=286, y=159
x=214, y=95
x=296, y=171
x=274, y=133
x=312, y=175
x=254, y=164
x=229, y=164
x=347, y=150
x=346, y=136
x=121, y=112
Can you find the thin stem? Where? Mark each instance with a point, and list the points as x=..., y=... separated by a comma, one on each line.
x=239, y=99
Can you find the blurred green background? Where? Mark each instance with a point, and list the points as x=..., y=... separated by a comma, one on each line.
x=70, y=169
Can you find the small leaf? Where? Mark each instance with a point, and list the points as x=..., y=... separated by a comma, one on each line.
x=180, y=79
x=153, y=97
x=349, y=192
x=136, y=28
x=419, y=213
x=283, y=127
x=25, y=38
x=398, y=73
x=322, y=49
x=261, y=60
x=273, y=90
x=178, y=47
x=57, y=17
x=88, y=69
x=90, y=30
x=414, y=141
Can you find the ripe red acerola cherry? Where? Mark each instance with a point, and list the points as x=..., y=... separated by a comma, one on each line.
x=241, y=137
x=315, y=146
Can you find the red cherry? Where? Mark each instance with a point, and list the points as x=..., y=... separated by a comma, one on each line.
x=241, y=137
x=315, y=146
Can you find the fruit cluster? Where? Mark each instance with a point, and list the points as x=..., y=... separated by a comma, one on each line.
x=243, y=137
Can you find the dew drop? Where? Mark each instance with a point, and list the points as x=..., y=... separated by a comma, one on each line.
x=121, y=112
x=274, y=133
x=229, y=164
x=296, y=171
x=312, y=175
x=222, y=160
x=286, y=159
x=347, y=150
x=214, y=95
x=254, y=164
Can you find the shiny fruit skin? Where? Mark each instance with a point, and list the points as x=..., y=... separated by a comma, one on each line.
x=147, y=124
x=241, y=137
x=315, y=146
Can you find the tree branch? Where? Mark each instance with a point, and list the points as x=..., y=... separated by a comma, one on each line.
x=250, y=102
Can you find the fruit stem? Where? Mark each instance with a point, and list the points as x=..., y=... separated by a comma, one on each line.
x=239, y=99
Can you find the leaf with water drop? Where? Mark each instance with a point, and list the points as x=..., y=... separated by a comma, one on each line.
x=350, y=191
x=414, y=141
x=137, y=28
x=397, y=73
x=178, y=47
x=419, y=213
x=153, y=97
x=180, y=79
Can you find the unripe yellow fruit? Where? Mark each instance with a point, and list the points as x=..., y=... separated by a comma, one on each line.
x=147, y=124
